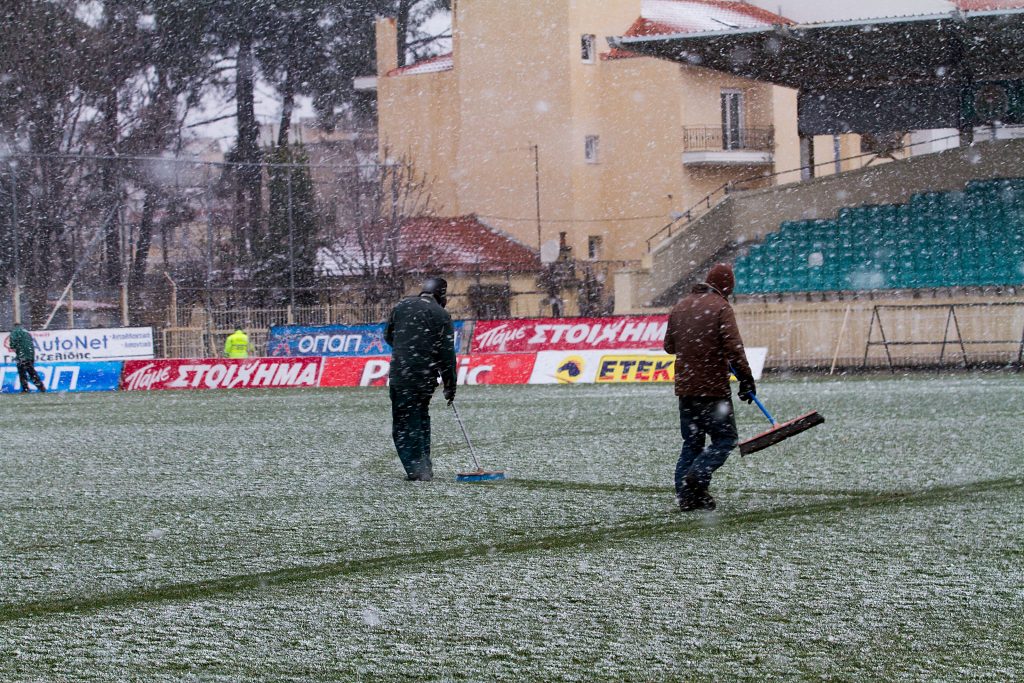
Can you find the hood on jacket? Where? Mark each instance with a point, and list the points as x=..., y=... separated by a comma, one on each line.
x=722, y=278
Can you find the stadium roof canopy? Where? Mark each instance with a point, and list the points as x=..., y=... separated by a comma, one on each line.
x=864, y=53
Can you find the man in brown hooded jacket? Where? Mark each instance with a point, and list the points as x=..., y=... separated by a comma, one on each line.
x=705, y=339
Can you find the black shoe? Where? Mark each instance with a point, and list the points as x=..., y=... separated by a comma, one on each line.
x=704, y=501
x=686, y=499
x=698, y=497
x=687, y=503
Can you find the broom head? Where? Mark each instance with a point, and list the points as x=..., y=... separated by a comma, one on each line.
x=480, y=475
x=780, y=432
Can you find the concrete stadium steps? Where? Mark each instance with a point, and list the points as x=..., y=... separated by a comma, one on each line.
x=930, y=186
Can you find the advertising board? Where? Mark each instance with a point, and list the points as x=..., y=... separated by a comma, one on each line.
x=334, y=340
x=617, y=366
x=214, y=373
x=87, y=376
x=502, y=368
x=55, y=346
x=569, y=334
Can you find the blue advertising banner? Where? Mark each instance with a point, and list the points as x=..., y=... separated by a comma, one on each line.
x=334, y=340
x=85, y=376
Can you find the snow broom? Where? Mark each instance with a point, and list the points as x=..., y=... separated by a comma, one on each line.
x=778, y=432
x=480, y=474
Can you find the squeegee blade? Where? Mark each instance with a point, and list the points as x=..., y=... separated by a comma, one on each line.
x=781, y=432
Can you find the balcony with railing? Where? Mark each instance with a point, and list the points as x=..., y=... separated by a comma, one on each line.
x=722, y=146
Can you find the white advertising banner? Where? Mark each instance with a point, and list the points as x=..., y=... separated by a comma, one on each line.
x=616, y=366
x=56, y=346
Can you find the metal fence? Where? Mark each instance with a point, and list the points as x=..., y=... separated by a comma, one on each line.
x=711, y=138
x=202, y=333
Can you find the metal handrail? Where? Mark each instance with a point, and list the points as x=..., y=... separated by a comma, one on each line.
x=711, y=138
x=731, y=185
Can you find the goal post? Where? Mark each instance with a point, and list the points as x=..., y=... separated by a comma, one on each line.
x=973, y=334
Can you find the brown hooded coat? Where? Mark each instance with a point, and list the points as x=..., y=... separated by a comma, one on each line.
x=705, y=339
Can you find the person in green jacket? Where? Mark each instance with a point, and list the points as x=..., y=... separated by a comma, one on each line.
x=25, y=358
x=237, y=344
x=422, y=341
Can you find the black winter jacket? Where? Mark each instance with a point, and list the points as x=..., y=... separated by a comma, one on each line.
x=422, y=341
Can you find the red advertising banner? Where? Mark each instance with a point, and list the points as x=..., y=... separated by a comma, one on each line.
x=213, y=373
x=569, y=334
x=475, y=369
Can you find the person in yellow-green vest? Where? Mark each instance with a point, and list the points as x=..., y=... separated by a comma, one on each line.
x=237, y=344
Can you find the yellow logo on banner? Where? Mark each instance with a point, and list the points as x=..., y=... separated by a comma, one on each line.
x=569, y=370
x=636, y=369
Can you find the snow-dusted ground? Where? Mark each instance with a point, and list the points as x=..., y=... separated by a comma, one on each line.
x=269, y=536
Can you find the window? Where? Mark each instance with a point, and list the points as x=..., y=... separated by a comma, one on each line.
x=732, y=119
x=590, y=149
x=594, y=243
x=587, y=48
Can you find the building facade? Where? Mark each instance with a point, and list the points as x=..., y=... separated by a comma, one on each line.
x=536, y=126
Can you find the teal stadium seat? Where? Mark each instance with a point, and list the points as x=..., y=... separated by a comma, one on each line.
x=936, y=239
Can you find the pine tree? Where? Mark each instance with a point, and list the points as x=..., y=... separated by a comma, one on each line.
x=287, y=254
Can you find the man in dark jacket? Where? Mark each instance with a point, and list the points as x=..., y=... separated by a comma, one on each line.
x=422, y=343
x=25, y=358
x=703, y=335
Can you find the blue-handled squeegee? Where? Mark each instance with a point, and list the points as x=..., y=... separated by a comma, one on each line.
x=479, y=474
x=778, y=432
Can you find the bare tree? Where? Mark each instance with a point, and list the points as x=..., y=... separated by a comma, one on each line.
x=369, y=245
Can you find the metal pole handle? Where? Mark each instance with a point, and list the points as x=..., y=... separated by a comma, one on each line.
x=472, y=451
x=763, y=409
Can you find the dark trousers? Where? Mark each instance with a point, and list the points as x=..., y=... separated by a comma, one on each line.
x=27, y=372
x=410, y=428
x=700, y=418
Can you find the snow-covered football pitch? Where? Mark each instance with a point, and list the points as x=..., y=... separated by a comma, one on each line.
x=268, y=535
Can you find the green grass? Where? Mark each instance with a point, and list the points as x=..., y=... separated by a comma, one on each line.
x=270, y=536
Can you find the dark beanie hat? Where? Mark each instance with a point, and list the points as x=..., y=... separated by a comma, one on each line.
x=721, y=278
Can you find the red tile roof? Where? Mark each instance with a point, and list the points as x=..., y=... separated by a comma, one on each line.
x=430, y=65
x=462, y=243
x=667, y=17
x=458, y=244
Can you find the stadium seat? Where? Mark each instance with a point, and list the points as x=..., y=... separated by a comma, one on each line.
x=968, y=237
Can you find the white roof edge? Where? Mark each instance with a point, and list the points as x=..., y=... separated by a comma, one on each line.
x=364, y=83
x=622, y=41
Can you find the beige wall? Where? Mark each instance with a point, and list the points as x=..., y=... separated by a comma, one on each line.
x=812, y=334
x=418, y=117
x=787, y=140
x=519, y=81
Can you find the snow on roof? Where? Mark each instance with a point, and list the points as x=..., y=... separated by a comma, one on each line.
x=667, y=17
x=988, y=5
x=430, y=65
x=454, y=244
x=688, y=16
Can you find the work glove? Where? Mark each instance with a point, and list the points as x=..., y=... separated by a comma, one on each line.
x=747, y=390
x=449, y=394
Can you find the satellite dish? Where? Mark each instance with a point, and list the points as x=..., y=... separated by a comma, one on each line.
x=549, y=251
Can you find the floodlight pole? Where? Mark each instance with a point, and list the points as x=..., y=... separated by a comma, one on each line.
x=211, y=348
x=536, y=189
x=16, y=235
x=291, y=244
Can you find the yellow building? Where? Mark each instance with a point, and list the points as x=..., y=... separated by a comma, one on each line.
x=536, y=126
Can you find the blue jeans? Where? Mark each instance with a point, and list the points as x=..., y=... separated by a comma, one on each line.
x=700, y=418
